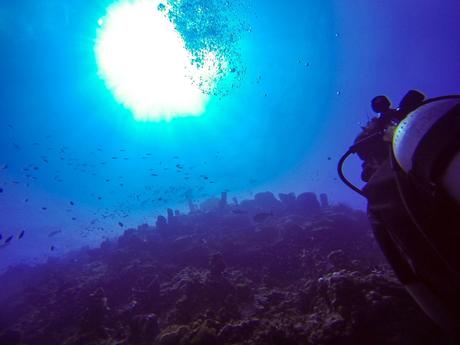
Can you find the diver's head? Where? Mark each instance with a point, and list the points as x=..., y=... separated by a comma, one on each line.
x=380, y=104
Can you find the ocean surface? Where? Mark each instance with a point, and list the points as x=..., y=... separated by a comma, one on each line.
x=77, y=165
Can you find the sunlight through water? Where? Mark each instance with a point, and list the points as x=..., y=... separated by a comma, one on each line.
x=144, y=61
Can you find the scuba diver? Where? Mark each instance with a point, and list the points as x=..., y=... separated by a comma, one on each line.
x=411, y=166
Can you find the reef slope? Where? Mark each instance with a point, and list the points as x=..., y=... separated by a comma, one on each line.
x=268, y=270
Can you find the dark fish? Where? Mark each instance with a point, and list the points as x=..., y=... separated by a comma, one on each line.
x=120, y=224
x=239, y=211
x=52, y=248
x=44, y=208
x=53, y=233
x=8, y=240
x=21, y=235
x=1, y=190
x=1, y=236
x=72, y=203
x=261, y=217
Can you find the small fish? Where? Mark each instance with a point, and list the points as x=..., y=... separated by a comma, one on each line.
x=8, y=240
x=261, y=217
x=53, y=233
x=1, y=190
x=120, y=224
x=1, y=236
x=72, y=203
x=44, y=208
x=52, y=248
x=21, y=235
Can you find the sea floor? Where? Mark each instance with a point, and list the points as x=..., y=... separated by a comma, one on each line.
x=268, y=270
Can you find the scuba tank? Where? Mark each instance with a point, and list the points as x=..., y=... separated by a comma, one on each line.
x=414, y=206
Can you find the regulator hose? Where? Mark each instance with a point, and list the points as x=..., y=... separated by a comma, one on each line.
x=347, y=154
x=341, y=174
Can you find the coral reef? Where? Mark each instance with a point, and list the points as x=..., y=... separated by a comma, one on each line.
x=306, y=273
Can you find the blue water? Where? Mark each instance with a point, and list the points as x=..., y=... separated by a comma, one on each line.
x=310, y=70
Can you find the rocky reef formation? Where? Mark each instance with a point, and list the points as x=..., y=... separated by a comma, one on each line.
x=275, y=271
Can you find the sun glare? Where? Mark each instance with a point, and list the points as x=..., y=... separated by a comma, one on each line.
x=143, y=60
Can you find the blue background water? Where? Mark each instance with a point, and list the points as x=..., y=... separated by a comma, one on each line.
x=311, y=68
